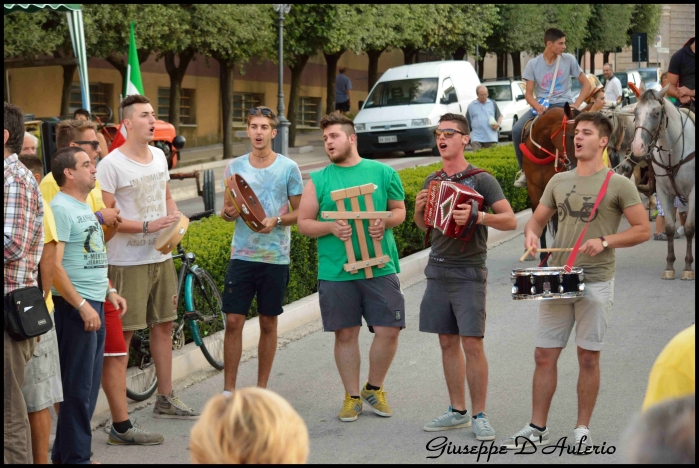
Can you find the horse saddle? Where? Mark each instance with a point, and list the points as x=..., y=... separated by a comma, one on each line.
x=527, y=129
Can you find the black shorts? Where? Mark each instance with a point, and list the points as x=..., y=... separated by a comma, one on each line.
x=342, y=106
x=379, y=300
x=246, y=279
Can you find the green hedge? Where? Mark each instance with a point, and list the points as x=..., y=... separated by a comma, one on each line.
x=210, y=238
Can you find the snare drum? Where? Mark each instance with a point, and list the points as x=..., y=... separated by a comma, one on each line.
x=547, y=283
x=172, y=235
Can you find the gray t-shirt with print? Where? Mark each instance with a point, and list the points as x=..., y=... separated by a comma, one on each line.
x=447, y=251
x=541, y=73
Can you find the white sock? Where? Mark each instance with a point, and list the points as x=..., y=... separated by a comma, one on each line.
x=226, y=393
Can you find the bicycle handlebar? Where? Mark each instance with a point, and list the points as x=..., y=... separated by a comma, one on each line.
x=201, y=215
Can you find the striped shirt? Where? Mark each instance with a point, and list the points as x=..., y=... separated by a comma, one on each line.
x=24, y=228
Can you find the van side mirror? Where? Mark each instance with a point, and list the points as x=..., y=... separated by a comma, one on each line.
x=361, y=104
x=519, y=97
x=449, y=99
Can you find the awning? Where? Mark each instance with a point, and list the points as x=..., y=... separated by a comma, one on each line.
x=77, y=35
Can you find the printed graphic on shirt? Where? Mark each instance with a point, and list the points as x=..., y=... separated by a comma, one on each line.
x=546, y=83
x=580, y=208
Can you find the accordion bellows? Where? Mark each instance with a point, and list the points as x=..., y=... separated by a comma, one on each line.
x=442, y=198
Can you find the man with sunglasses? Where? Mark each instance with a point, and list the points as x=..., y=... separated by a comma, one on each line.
x=454, y=302
x=259, y=263
x=83, y=114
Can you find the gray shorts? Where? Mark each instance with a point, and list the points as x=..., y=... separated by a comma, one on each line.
x=454, y=301
x=379, y=300
x=42, y=375
x=590, y=314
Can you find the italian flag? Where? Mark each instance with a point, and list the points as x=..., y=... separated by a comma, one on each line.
x=134, y=85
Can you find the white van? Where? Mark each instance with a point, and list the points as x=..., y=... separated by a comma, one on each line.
x=404, y=106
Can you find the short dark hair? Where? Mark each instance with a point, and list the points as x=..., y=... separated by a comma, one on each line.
x=68, y=131
x=32, y=162
x=14, y=124
x=63, y=159
x=460, y=121
x=553, y=34
x=336, y=118
x=273, y=121
x=599, y=120
x=130, y=101
x=342, y=69
x=81, y=111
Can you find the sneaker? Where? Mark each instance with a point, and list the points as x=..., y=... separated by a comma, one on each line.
x=482, y=428
x=449, y=420
x=171, y=407
x=377, y=400
x=108, y=426
x=350, y=408
x=534, y=436
x=521, y=181
x=680, y=231
x=134, y=436
x=583, y=443
x=660, y=236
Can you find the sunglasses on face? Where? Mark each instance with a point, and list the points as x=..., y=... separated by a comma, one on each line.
x=262, y=110
x=95, y=144
x=448, y=132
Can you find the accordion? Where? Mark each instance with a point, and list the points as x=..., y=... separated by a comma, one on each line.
x=442, y=198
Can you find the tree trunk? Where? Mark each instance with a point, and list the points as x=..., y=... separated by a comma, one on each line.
x=331, y=62
x=68, y=73
x=459, y=53
x=226, y=84
x=373, y=73
x=296, y=72
x=605, y=58
x=409, y=54
x=516, y=63
x=592, y=61
x=501, y=65
x=481, y=61
x=176, y=73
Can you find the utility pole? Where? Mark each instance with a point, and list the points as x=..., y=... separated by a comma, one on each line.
x=281, y=141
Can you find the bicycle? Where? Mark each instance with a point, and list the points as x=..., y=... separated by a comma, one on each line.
x=202, y=312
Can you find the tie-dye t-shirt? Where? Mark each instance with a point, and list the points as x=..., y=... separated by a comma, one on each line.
x=541, y=73
x=273, y=186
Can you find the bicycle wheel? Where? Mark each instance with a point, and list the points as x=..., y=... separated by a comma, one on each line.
x=143, y=381
x=207, y=301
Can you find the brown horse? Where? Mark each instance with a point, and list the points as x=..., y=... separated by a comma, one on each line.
x=547, y=150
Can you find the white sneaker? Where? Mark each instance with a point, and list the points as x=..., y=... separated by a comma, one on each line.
x=521, y=181
x=532, y=435
x=680, y=231
x=582, y=441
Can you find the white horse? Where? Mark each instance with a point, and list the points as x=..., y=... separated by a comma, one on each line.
x=668, y=135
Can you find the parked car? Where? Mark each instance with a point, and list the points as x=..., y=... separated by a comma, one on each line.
x=509, y=96
x=404, y=106
x=626, y=77
x=650, y=76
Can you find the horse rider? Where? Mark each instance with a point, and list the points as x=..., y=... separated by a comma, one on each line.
x=680, y=74
x=538, y=75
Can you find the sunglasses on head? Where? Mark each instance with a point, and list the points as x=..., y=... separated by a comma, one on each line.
x=262, y=110
x=95, y=144
x=448, y=132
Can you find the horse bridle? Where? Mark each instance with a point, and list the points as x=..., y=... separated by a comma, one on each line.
x=565, y=162
x=670, y=169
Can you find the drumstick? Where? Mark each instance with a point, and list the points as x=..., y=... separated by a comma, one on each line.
x=554, y=249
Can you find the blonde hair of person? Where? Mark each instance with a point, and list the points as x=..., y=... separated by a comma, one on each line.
x=253, y=425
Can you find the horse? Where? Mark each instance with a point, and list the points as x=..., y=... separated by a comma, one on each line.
x=667, y=136
x=547, y=149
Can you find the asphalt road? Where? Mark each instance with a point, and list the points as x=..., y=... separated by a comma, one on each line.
x=648, y=312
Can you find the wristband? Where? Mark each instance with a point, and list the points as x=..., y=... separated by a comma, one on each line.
x=111, y=290
x=81, y=304
x=483, y=219
x=225, y=215
x=99, y=217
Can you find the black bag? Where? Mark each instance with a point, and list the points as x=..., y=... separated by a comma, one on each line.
x=26, y=315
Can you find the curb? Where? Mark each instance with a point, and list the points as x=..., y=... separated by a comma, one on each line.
x=190, y=359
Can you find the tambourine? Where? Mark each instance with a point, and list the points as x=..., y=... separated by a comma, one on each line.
x=246, y=202
x=172, y=235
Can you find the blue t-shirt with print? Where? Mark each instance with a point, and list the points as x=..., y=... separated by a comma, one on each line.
x=85, y=254
x=273, y=186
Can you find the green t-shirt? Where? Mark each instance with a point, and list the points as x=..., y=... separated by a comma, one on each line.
x=331, y=251
x=574, y=196
x=85, y=254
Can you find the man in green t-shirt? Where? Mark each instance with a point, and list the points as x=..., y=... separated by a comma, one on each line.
x=454, y=302
x=344, y=297
x=569, y=192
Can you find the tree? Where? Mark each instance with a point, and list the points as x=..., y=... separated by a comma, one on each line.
x=344, y=36
x=520, y=29
x=645, y=18
x=458, y=28
x=570, y=18
x=606, y=28
x=232, y=34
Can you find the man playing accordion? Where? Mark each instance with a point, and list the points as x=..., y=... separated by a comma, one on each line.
x=454, y=302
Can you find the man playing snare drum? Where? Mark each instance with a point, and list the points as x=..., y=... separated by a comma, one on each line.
x=259, y=262
x=454, y=302
x=593, y=310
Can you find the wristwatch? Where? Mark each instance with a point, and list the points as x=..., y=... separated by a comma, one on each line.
x=279, y=220
x=605, y=244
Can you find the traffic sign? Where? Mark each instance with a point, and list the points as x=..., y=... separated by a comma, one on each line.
x=658, y=41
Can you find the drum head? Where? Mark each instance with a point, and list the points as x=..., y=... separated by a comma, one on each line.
x=172, y=235
x=246, y=202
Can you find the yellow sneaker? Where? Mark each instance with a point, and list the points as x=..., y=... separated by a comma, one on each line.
x=350, y=408
x=377, y=400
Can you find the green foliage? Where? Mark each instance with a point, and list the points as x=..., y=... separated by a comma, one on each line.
x=644, y=19
x=570, y=18
x=210, y=239
x=28, y=35
x=521, y=27
x=460, y=25
x=607, y=26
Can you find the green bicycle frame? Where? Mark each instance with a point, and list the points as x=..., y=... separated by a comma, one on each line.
x=189, y=305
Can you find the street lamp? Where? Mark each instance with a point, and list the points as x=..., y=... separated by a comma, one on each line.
x=281, y=142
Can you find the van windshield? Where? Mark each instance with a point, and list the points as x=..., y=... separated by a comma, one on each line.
x=403, y=92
